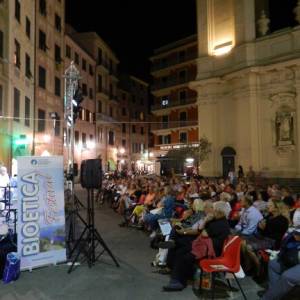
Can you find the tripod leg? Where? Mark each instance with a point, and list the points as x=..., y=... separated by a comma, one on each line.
x=102, y=243
x=78, y=242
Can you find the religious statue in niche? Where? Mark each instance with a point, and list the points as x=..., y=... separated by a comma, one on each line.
x=284, y=124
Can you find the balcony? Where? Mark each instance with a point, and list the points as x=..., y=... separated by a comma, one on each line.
x=100, y=117
x=175, y=125
x=103, y=63
x=172, y=62
x=172, y=81
x=174, y=103
x=104, y=91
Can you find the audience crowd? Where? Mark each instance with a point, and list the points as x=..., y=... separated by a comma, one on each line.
x=202, y=214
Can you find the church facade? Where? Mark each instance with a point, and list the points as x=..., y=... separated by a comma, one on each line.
x=248, y=85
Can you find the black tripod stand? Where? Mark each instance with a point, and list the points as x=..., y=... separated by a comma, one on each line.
x=90, y=238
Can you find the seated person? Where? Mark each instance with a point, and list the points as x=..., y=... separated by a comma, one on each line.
x=269, y=233
x=165, y=206
x=284, y=272
x=225, y=198
x=250, y=217
x=181, y=261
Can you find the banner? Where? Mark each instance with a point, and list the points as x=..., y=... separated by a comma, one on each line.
x=41, y=213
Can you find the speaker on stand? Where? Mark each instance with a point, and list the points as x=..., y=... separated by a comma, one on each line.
x=90, y=238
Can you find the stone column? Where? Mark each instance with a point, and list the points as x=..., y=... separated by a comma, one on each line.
x=297, y=126
x=244, y=12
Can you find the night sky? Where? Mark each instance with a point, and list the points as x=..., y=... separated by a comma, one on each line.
x=133, y=28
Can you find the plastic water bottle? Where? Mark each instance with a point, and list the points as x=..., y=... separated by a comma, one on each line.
x=196, y=282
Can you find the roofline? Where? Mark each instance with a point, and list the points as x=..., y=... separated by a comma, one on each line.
x=84, y=50
x=97, y=36
x=176, y=44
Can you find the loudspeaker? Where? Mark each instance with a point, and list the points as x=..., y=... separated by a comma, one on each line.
x=91, y=174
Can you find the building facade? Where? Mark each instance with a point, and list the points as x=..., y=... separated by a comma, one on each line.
x=175, y=104
x=85, y=129
x=17, y=52
x=108, y=128
x=248, y=85
x=134, y=99
x=49, y=71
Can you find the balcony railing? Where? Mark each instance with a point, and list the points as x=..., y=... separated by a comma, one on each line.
x=100, y=117
x=103, y=90
x=174, y=103
x=172, y=81
x=104, y=63
x=172, y=62
x=175, y=124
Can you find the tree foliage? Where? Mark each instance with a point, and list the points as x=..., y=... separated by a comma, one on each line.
x=199, y=153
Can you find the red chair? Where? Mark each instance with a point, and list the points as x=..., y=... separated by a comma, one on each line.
x=228, y=262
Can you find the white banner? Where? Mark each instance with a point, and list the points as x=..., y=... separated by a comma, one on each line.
x=41, y=213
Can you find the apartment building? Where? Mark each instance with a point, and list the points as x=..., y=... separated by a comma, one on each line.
x=134, y=99
x=175, y=104
x=16, y=78
x=108, y=128
x=85, y=129
x=49, y=69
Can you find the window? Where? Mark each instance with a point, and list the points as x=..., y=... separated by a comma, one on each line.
x=43, y=7
x=182, y=75
x=84, y=89
x=42, y=77
x=1, y=100
x=91, y=70
x=110, y=111
x=16, y=105
x=42, y=40
x=142, y=116
x=57, y=126
x=124, y=143
x=91, y=138
x=99, y=81
x=18, y=10
x=182, y=96
x=76, y=137
x=83, y=139
x=27, y=111
x=76, y=58
x=27, y=66
x=142, y=101
x=87, y=115
x=165, y=120
x=136, y=115
x=183, y=116
x=124, y=128
x=164, y=100
x=91, y=93
x=1, y=44
x=58, y=23
x=68, y=51
x=28, y=28
x=82, y=117
x=142, y=130
x=110, y=91
x=99, y=107
x=83, y=64
x=57, y=87
x=111, y=138
x=99, y=60
x=133, y=129
x=181, y=56
x=183, y=137
x=41, y=120
x=100, y=134
x=166, y=139
x=123, y=96
x=133, y=98
x=17, y=54
x=57, y=54
x=124, y=112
